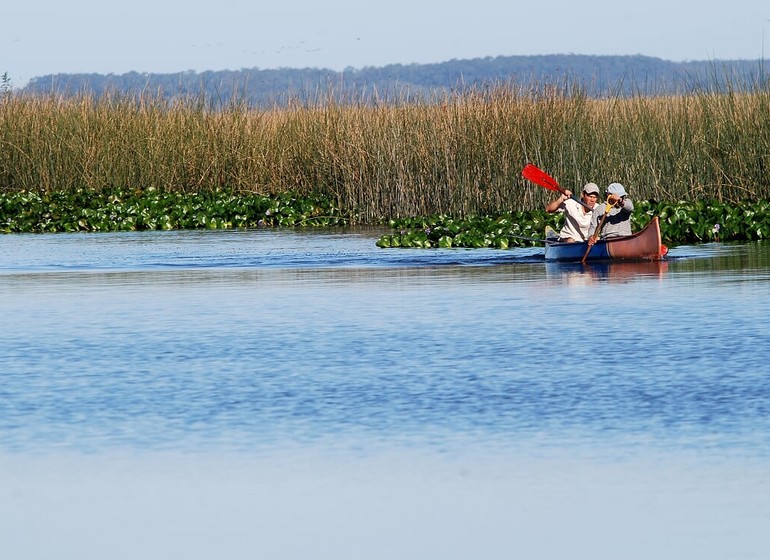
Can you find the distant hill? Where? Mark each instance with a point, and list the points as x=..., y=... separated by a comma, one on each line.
x=596, y=75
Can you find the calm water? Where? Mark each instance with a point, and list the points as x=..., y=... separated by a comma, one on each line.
x=308, y=395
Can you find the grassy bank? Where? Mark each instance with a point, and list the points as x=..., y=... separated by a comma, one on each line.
x=459, y=156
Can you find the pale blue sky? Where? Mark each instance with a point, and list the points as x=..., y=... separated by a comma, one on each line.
x=52, y=36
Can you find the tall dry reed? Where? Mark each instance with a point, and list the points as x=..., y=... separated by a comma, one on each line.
x=461, y=154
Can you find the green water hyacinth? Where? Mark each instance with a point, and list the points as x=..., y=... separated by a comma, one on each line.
x=151, y=209
x=498, y=232
x=680, y=222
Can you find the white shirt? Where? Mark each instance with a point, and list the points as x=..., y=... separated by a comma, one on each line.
x=577, y=220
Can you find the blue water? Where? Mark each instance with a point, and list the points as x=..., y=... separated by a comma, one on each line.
x=256, y=350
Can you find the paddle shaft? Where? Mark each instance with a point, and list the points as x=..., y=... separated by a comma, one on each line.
x=598, y=231
x=540, y=177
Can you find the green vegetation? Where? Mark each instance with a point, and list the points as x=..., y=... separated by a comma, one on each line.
x=682, y=222
x=78, y=163
x=151, y=209
x=116, y=210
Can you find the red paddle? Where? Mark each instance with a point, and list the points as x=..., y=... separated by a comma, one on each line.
x=540, y=177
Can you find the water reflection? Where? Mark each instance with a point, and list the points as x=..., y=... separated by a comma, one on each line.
x=748, y=262
x=746, y=259
x=582, y=274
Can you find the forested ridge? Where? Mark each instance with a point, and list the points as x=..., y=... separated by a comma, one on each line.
x=595, y=75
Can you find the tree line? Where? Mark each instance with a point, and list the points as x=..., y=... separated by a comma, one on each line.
x=595, y=76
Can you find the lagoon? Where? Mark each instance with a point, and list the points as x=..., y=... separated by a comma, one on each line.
x=304, y=394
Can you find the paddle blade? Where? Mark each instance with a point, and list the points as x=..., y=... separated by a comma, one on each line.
x=541, y=178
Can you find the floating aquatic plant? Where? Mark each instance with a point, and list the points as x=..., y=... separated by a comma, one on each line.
x=150, y=209
x=682, y=222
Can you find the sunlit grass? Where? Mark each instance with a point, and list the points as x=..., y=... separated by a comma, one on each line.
x=459, y=155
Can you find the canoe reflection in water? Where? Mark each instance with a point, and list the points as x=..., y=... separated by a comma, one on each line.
x=620, y=271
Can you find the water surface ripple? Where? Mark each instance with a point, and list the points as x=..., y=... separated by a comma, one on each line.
x=254, y=340
x=304, y=394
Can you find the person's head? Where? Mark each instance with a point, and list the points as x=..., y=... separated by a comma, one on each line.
x=616, y=189
x=590, y=194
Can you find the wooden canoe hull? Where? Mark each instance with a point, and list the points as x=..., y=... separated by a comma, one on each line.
x=644, y=245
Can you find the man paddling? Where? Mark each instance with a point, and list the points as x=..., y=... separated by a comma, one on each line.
x=577, y=217
x=617, y=222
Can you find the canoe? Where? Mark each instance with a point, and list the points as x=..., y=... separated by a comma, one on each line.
x=644, y=245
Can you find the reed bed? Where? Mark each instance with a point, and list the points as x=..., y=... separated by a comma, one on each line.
x=461, y=154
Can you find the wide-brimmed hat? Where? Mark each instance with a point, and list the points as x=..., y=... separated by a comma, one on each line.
x=616, y=188
x=591, y=188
